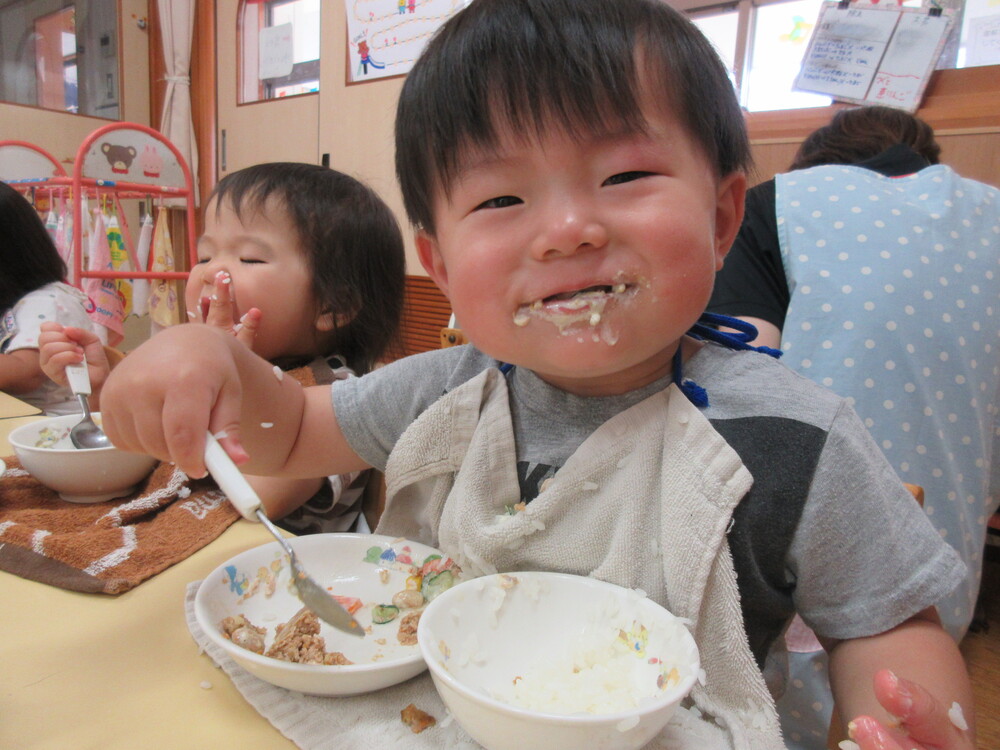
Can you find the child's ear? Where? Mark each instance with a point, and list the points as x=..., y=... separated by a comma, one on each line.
x=431, y=260
x=728, y=213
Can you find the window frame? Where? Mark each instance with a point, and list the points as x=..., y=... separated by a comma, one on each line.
x=251, y=89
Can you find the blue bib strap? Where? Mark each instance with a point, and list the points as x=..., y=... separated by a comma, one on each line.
x=706, y=330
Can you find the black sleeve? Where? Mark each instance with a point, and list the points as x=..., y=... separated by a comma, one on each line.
x=752, y=281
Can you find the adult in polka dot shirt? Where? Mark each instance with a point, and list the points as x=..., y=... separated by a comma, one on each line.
x=875, y=268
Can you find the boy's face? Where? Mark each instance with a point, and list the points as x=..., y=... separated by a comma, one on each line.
x=584, y=259
x=268, y=270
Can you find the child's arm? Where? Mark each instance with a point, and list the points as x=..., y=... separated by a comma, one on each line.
x=280, y=495
x=189, y=378
x=60, y=346
x=918, y=674
x=20, y=371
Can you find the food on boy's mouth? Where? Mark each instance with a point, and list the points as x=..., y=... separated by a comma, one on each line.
x=583, y=306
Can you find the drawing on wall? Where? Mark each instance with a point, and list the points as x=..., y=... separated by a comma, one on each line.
x=873, y=54
x=385, y=37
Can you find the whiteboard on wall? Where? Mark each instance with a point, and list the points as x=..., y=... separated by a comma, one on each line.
x=873, y=54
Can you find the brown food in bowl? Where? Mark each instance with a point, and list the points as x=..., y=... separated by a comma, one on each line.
x=298, y=640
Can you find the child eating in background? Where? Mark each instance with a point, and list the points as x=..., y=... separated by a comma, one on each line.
x=575, y=170
x=305, y=266
x=32, y=291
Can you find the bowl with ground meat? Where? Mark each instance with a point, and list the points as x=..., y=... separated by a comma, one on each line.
x=250, y=609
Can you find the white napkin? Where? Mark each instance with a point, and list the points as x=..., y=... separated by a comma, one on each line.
x=372, y=720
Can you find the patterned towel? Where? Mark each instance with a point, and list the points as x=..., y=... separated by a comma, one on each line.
x=106, y=547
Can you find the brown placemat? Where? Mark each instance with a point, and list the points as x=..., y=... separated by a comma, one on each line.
x=106, y=547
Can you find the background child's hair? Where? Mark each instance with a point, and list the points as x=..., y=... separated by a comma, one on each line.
x=860, y=133
x=354, y=246
x=28, y=257
x=529, y=65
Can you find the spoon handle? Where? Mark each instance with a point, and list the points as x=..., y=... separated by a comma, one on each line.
x=79, y=378
x=230, y=479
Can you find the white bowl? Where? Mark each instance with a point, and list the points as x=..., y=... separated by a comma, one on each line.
x=88, y=475
x=494, y=643
x=368, y=567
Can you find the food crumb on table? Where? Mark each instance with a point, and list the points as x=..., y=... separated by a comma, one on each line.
x=416, y=719
x=205, y=685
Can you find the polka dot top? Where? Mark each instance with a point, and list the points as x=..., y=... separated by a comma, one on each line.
x=894, y=292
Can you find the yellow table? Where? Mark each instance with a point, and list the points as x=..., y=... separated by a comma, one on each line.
x=89, y=671
x=11, y=406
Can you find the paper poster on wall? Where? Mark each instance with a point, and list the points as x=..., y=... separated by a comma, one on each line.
x=983, y=45
x=873, y=54
x=385, y=37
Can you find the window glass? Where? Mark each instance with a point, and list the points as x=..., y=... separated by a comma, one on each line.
x=980, y=40
x=61, y=55
x=721, y=28
x=780, y=37
x=279, y=48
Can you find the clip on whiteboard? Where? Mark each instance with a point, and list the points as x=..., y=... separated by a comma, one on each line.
x=844, y=4
x=934, y=11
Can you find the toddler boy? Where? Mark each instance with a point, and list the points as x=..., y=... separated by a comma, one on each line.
x=576, y=174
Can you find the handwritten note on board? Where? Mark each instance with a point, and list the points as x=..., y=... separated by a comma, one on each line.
x=873, y=54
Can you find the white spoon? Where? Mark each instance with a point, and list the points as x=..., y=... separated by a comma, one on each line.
x=245, y=500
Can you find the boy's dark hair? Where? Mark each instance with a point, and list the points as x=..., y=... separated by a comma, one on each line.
x=354, y=246
x=581, y=64
x=861, y=133
x=28, y=256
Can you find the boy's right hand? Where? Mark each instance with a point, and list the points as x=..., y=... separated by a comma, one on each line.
x=221, y=312
x=165, y=394
x=60, y=346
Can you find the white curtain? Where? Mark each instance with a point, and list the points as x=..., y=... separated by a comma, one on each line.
x=177, y=27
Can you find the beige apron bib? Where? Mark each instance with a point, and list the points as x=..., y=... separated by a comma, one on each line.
x=644, y=502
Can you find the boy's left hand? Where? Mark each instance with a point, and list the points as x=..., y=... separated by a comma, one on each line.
x=220, y=312
x=924, y=724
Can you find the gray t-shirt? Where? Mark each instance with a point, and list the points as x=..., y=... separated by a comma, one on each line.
x=820, y=533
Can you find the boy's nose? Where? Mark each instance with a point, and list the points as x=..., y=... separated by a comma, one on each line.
x=568, y=230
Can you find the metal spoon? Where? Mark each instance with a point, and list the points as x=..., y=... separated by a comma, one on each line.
x=246, y=501
x=85, y=433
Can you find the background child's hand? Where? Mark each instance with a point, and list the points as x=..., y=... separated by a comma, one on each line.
x=924, y=724
x=220, y=312
x=60, y=346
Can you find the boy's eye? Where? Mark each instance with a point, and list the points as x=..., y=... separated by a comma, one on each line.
x=618, y=179
x=250, y=260
x=502, y=201
x=203, y=260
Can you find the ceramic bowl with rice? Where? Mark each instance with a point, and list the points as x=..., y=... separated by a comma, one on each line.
x=532, y=660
